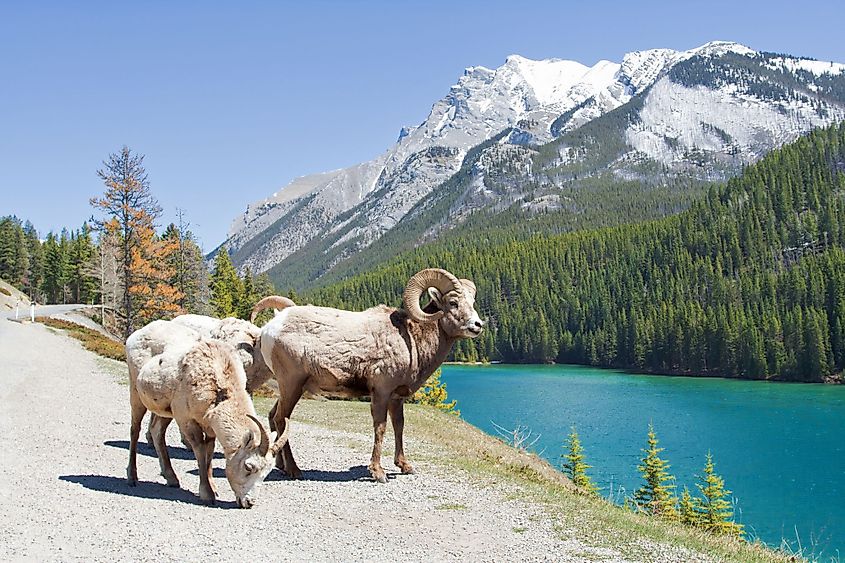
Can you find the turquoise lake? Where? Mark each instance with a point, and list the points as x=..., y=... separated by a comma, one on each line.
x=779, y=446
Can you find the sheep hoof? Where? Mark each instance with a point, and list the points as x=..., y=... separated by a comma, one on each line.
x=378, y=474
x=131, y=478
x=406, y=468
x=171, y=481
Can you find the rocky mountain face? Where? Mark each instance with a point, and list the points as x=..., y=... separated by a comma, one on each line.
x=525, y=133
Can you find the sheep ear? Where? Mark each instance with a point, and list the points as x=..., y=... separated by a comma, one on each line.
x=246, y=347
x=435, y=295
x=249, y=438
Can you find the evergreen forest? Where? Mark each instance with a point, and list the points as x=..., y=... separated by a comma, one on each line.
x=748, y=282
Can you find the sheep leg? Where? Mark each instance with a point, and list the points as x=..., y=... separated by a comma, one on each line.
x=396, y=408
x=290, y=395
x=209, y=456
x=149, y=434
x=194, y=434
x=378, y=408
x=158, y=431
x=138, y=412
x=271, y=417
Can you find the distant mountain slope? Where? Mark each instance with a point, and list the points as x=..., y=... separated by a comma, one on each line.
x=749, y=282
x=530, y=133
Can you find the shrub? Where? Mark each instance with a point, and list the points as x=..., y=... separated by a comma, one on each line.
x=433, y=393
x=91, y=339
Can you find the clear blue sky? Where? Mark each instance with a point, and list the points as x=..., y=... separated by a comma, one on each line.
x=229, y=101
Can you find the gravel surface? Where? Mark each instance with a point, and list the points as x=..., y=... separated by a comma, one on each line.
x=64, y=428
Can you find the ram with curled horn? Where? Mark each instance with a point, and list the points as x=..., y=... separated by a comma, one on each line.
x=383, y=352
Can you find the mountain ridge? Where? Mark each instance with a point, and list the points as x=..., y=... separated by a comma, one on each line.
x=725, y=122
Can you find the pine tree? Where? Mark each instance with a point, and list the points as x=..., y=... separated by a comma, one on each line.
x=655, y=496
x=686, y=509
x=81, y=255
x=226, y=286
x=575, y=466
x=190, y=275
x=713, y=510
x=247, y=297
x=36, y=262
x=53, y=282
x=7, y=249
x=433, y=393
x=14, y=256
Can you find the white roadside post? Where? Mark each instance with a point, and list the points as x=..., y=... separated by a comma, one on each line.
x=32, y=312
x=17, y=310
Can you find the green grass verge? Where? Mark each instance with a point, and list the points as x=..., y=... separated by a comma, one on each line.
x=444, y=440
x=91, y=339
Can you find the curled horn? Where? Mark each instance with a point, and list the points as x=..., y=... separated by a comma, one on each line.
x=469, y=286
x=420, y=282
x=265, y=439
x=274, y=301
x=281, y=440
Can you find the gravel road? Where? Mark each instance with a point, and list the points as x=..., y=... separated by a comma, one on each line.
x=64, y=433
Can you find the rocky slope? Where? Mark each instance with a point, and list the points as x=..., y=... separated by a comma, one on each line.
x=656, y=115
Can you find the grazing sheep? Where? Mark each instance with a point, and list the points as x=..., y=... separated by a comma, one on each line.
x=243, y=335
x=202, y=385
x=382, y=352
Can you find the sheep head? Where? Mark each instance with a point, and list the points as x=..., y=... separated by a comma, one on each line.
x=251, y=462
x=454, y=299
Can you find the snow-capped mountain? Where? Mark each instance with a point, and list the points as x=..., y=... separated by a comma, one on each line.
x=708, y=110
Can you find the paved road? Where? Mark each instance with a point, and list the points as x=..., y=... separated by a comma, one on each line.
x=72, y=312
x=48, y=310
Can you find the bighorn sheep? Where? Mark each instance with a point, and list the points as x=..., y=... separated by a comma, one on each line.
x=241, y=334
x=202, y=385
x=383, y=352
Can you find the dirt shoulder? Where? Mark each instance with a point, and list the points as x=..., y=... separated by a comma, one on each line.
x=64, y=433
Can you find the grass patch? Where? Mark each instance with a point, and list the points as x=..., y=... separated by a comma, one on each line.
x=519, y=529
x=446, y=441
x=5, y=291
x=90, y=339
x=450, y=506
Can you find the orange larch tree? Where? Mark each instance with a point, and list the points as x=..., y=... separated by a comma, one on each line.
x=128, y=205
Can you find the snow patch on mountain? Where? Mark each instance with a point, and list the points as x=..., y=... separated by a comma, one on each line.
x=676, y=119
x=816, y=67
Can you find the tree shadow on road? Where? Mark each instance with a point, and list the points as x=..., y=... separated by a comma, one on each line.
x=144, y=489
x=148, y=450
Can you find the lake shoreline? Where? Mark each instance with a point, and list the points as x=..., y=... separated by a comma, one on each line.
x=762, y=437
x=838, y=379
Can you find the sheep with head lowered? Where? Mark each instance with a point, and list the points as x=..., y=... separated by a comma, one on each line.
x=382, y=352
x=202, y=385
x=241, y=334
